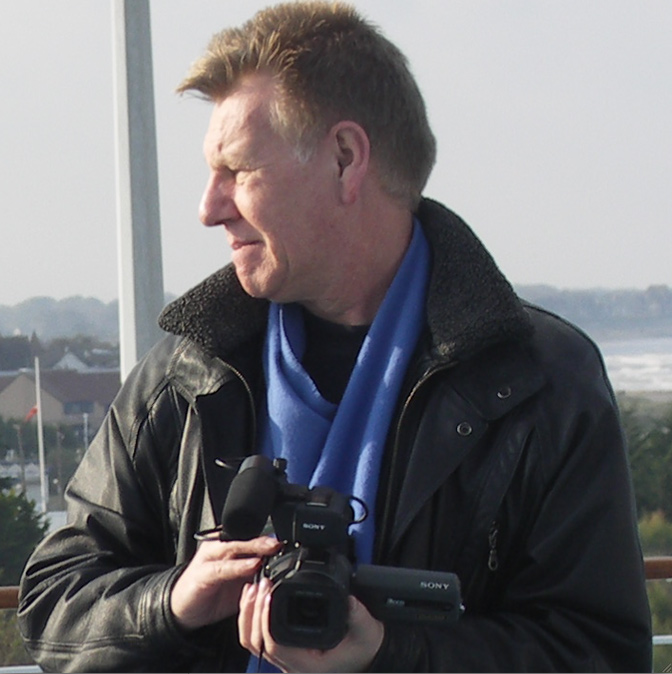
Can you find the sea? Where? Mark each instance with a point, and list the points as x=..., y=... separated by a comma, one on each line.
x=639, y=365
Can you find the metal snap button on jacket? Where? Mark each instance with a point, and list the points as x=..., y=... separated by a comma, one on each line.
x=464, y=428
x=504, y=392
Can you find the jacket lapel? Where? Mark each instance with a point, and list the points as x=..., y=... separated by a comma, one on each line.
x=465, y=400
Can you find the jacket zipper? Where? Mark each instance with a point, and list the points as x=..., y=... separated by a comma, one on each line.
x=250, y=396
x=493, y=561
x=493, y=558
x=385, y=521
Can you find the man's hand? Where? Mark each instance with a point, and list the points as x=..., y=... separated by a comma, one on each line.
x=210, y=586
x=354, y=654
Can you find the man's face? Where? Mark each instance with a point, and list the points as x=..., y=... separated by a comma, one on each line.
x=277, y=210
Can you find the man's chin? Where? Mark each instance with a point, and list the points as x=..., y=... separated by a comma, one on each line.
x=255, y=288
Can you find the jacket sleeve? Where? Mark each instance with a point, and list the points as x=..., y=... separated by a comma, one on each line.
x=569, y=593
x=95, y=594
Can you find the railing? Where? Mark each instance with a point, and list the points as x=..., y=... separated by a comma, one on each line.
x=9, y=597
x=659, y=568
x=656, y=568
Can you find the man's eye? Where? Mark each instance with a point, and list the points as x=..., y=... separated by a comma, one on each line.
x=237, y=172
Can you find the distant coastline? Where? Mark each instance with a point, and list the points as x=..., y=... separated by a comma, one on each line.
x=609, y=315
x=633, y=328
x=605, y=315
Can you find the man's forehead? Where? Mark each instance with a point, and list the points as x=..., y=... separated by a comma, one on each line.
x=248, y=100
x=252, y=84
x=246, y=108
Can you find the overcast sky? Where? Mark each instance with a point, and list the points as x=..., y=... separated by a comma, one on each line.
x=553, y=120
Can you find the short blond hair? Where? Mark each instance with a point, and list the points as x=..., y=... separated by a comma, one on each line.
x=330, y=64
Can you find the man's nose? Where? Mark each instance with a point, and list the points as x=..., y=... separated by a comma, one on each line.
x=217, y=205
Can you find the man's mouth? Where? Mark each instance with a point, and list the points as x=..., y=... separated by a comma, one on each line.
x=238, y=244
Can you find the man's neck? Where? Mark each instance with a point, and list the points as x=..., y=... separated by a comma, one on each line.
x=367, y=272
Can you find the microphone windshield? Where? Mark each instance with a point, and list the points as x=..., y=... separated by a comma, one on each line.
x=250, y=499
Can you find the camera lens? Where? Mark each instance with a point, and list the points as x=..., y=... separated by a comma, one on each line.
x=308, y=611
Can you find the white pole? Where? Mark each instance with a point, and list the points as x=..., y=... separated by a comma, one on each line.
x=85, y=431
x=44, y=487
x=138, y=221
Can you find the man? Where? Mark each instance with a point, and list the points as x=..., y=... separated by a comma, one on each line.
x=366, y=336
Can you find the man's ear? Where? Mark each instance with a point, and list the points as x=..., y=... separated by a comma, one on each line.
x=353, y=152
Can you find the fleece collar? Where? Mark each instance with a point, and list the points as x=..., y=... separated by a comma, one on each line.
x=470, y=304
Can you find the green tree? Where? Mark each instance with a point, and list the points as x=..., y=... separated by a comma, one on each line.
x=7, y=437
x=63, y=451
x=656, y=536
x=649, y=440
x=21, y=528
x=12, y=650
x=655, y=533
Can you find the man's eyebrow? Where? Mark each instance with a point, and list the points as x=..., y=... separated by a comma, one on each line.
x=233, y=155
x=222, y=159
x=220, y=163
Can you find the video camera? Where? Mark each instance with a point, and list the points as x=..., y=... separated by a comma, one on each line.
x=315, y=571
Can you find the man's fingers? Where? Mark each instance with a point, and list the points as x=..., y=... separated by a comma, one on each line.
x=257, y=547
x=210, y=586
x=235, y=560
x=234, y=569
x=253, y=617
x=246, y=617
x=260, y=616
x=264, y=611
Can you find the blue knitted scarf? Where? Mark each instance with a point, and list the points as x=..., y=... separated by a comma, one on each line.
x=341, y=446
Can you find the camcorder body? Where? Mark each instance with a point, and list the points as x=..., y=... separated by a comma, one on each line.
x=315, y=571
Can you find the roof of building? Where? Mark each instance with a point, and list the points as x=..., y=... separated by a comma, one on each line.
x=100, y=386
x=6, y=378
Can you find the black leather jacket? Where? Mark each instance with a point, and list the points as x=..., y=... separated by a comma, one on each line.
x=505, y=464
